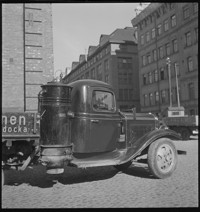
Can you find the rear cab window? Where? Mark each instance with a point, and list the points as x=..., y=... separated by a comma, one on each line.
x=103, y=101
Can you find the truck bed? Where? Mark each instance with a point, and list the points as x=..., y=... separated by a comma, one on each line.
x=20, y=125
x=181, y=121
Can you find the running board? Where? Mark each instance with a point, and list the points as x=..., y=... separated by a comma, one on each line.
x=104, y=159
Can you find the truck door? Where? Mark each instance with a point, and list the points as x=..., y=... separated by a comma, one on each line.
x=104, y=121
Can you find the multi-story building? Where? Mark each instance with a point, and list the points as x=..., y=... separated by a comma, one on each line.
x=114, y=61
x=168, y=31
x=27, y=54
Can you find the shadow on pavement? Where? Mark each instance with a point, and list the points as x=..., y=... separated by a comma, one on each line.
x=139, y=171
x=37, y=175
x=77, y=175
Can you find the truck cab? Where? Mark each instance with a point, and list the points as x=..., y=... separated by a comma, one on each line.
x=96, y=119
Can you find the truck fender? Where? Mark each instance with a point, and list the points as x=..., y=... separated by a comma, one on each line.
x=143, y=142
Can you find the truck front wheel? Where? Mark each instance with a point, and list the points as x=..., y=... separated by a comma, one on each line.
x=162, y=158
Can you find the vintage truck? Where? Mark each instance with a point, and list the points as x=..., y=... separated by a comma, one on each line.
x=176, y=120
x=79, y=124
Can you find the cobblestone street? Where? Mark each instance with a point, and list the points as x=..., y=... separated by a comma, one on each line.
x=105, y=187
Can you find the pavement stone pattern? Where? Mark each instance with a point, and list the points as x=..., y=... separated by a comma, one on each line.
x=105, y=187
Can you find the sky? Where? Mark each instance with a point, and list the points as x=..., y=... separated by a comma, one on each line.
x=76, y=26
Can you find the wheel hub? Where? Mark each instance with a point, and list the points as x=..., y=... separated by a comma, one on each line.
x=165, y=158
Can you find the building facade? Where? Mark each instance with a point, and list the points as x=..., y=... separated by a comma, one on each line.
x=114, y=61
x=27, y=54
x=168, y=44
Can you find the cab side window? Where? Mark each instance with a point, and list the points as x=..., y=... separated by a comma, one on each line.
x=103, y=101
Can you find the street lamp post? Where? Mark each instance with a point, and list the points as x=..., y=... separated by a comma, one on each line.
x=169, y=73
x=177, y=87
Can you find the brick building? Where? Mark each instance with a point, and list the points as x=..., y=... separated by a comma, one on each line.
x=27, y=54
x=115, y=61
x=168, y=30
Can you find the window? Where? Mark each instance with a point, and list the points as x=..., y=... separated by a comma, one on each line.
x=196, y=34
x=156, y=75
x=163, y=96
x=161, y=53
x=87, y=75
x=159, y=29
x=92, y=73
x=103, y=52
x=195, y=6
x=153, y=33
x=191, y=91
x=188, y=39
x=144, y=79
x=145, y=100
x=120, y=78
x=156, y=97
x=147, y=37
x=175, y=45
x=143, y=60
x=130, y=94
x=151, y=98
x=99, y=72
x=190, y=64
x=124, y=63
x=107, y=78
x=167, y=48
x=142, y=39
x=171, y=6
x=150, y=77
x=107, y=50
x=130, y=78
x=186, y=12
x=125, y=78
x=162, y=74
x=106, y=65
x=120, y=94
x=103, y=101
x=154, y=55
x=173, y=20
x=148, y=58
x=100, y=55
x=164, y=9
x=166, y=25
x=125, y=94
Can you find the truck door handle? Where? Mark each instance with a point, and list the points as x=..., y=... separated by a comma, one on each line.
x=95, y=121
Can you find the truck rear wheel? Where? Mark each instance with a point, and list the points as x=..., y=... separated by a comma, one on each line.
x=185, y=133
x=162, y=158
x=2, y=177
